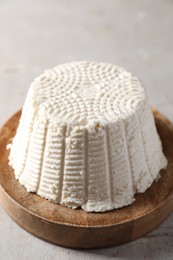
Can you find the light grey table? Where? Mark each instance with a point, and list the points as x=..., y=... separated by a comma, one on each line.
x=35, y=35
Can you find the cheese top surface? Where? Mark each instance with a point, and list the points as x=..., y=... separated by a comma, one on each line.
x=80, y=93
x=87, y=137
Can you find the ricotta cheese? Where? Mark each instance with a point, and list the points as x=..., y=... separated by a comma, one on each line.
x=87, y=137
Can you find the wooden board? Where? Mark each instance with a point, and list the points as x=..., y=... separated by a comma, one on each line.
x=76, y=228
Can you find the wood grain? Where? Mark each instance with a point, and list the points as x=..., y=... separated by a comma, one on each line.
x=77, y=228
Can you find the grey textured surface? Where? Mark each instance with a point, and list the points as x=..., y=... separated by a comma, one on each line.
x=36, y=35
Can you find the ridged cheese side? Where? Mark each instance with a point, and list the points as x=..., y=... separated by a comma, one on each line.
x=87, y=137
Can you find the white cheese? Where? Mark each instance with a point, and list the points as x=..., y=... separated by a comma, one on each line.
x=87, y=137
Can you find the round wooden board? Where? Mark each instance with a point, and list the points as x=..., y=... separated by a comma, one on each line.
x=76, y=228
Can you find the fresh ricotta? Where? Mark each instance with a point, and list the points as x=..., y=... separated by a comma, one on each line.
x=87, y=137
